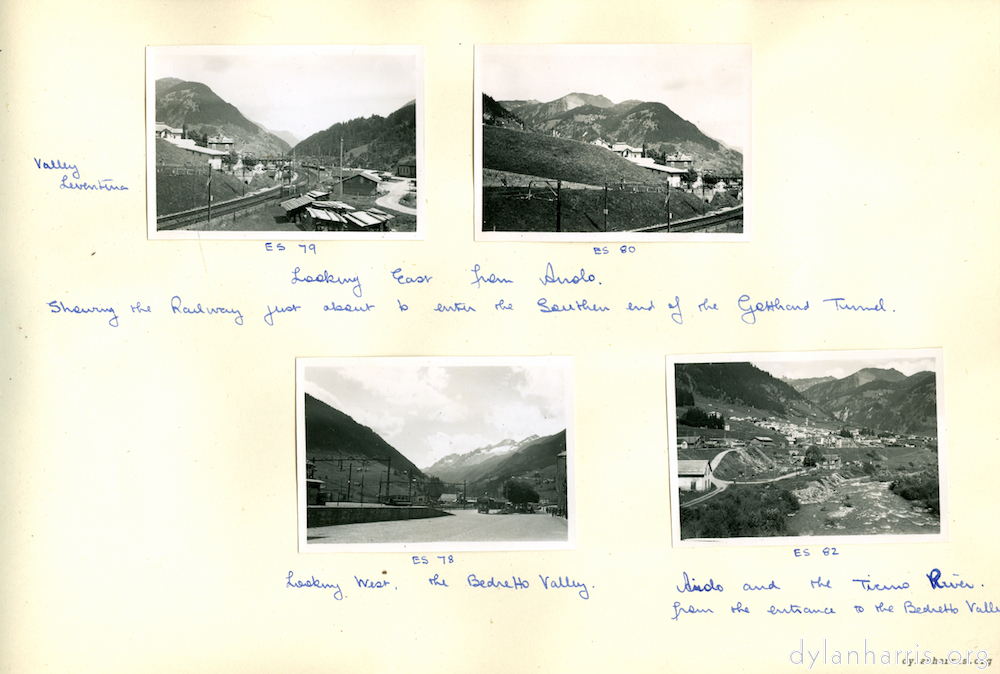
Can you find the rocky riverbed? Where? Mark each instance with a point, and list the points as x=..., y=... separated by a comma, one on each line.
x=858, y=506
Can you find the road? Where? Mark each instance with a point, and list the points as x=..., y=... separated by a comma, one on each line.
x=722, y=484
x=462, y=525
x=391, y=200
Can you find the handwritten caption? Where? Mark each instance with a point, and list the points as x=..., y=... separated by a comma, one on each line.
x=314, y=288
x=830, y=595
x=457, y=582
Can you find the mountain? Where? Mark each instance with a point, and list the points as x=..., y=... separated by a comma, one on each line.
x=744, y=384
x=649, y=124
x=881, y=399
x=473, y=465
x=507, y=149
x=286, y=136
x=497, y=115
x=165, y=83
x=487, y=467
x=194, y=107
x=372, y=142
x=331, y=434
x=829, y=390
x=510, y=105
x=885, y=400
x=536, y=113
x=801, y=385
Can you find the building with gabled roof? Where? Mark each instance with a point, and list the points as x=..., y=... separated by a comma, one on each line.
x=167, y=132
x=693, y=474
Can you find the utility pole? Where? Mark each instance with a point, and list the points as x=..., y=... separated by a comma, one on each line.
x=341, y=167
x=209, y=191
x=605, y=205
x=388, y=478
x=558, y=205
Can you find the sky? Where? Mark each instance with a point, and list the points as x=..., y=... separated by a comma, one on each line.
x=805, y=369
x=708, y=85
x=298, y=89
x=430, y=411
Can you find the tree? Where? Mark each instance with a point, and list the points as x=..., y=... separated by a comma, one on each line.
x=433, y=488
x=519, y=493
x=813, y=457
x=708, y=180
x=690, y=178
x=685, y=398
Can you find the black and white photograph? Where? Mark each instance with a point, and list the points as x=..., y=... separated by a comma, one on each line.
x=797, y=447
x=435, y=454
x=308, y=142
x=613, y=142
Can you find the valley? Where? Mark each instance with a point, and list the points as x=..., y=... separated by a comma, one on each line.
x=794, y=466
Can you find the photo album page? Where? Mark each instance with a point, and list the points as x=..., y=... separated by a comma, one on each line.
x=455, y=336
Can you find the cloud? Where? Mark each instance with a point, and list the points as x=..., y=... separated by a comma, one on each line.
x=548, y=384
x=420, y=391
x=518, y=420
x=387, y=425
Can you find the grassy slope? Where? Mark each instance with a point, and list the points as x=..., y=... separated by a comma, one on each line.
x=169, y=154
x=557, y=158
x=583, y=210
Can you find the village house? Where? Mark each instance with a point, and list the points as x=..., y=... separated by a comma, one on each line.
x=688, y=441
x=678, y=160
x=197, y=153
x=220, y=142
x=693, y=474
x=362, y=183
x=167, y=132
x=625, y=150
x=407, y=167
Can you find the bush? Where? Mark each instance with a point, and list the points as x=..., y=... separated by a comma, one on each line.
x=740, y=511
x=923, y=487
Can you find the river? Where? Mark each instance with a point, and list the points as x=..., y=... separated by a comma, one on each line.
x=874, y=511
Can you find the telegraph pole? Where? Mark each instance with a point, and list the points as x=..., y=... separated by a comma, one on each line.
x=341, y=167
x=209, y=191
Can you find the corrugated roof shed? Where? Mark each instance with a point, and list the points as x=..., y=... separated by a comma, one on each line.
x=296, y=203
x=333, y=205
x=320, y=214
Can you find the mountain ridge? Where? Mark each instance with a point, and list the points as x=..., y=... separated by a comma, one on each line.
x=882, y=399
x=651, y=125
x=194, y=107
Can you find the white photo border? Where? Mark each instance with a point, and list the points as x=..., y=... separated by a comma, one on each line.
x=565, y=362
x=307, y=51
x=486, y=51
x=799, y=356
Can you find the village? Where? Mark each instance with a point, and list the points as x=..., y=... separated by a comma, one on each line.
x=782, y=448
x=799, y=478
x=367, y=200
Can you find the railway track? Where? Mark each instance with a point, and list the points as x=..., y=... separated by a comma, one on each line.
x=698, y=224
x=200, y=214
